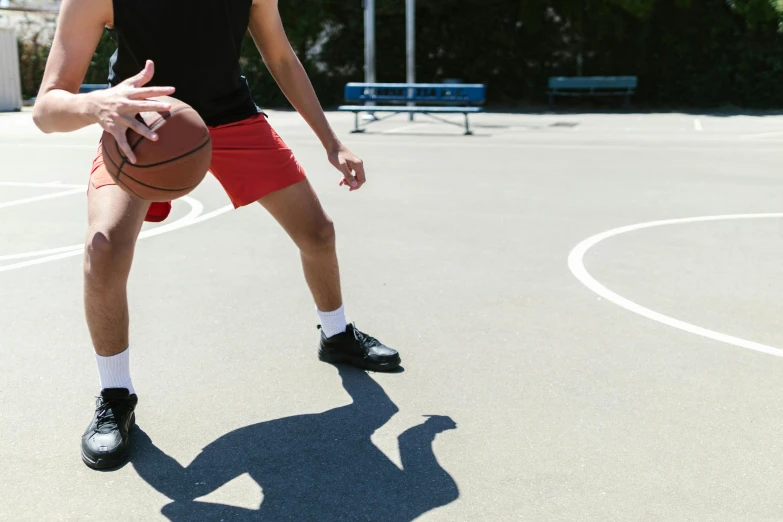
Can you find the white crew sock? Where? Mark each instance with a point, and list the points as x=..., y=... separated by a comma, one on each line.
x=333, y=323
x=114, y=371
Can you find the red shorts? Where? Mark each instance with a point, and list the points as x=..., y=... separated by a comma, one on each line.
x=248, y=158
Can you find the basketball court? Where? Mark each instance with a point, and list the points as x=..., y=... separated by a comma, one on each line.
x=589, y=307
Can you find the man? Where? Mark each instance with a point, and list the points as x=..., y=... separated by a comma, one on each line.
x=190, y=50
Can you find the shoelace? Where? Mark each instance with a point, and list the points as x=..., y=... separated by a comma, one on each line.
x=106, y=422
x=364, y=339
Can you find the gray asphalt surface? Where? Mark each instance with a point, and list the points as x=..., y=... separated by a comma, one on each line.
x=550, y=402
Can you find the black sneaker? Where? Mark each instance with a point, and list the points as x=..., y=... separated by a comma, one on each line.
x=105, y=444
x=359, y=349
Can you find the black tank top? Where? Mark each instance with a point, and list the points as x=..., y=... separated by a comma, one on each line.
x=195, y=45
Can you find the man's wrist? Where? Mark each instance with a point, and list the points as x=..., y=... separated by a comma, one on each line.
x=331, y=143
x=86, y=107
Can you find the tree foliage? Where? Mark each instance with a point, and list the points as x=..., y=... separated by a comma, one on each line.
x=697, y=53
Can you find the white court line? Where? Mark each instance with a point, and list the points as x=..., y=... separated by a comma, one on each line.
x=42, y=197
x=196, y=208
x=577, y=267
x=210, y=215
x=40, y=260
x=193, y=217
x=38, y=253
x=763, y=135
x=599, y=145
x=656, y=144
x=74, y=250
x=400, y=129
x=53, y=254
x=49, y=184
x=697, y=125
x=181, y=223
x=50, y=145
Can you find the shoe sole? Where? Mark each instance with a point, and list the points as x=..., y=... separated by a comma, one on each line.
x=360, y=362
x=112, y=461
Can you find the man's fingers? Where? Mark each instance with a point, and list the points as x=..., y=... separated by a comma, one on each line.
x=122, y=141
x=358, y=168
x=150, y=92
x=143, y=77
x=140, y=128
x=148, y=106
x=348, y=177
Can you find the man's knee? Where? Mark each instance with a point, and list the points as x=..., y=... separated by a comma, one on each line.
x=106, y=253
x=319, y=238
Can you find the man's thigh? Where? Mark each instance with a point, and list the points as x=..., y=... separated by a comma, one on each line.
x=112, y=213
x=298, y=211
x=252, y=161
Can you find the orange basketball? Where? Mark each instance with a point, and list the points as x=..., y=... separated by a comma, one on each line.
x=168, y=168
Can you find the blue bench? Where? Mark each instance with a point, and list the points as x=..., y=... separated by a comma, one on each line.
x=441, y=98
x=592, y=86
x=85, y=87
x=89, y=87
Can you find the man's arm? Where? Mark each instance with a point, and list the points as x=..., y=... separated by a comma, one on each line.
x=271, y=40
x=59, y=109
x=79, y=28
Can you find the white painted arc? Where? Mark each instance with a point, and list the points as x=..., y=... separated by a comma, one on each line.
x=181, y=223
x=44, y=185
x=210, y=215
x=53, y=254
x=35, y=145
x=48, y=184
x=39, y=261
x=577, y=267
x=190, y=219
x=74, y=250
x=42, y=197
x=39, y=253
x=763, y=135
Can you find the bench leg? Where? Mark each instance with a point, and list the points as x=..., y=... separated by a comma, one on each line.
x=356, y=128
x=468, y=132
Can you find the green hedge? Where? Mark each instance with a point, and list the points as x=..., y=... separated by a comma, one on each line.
x=34, y=50
x=687, y=53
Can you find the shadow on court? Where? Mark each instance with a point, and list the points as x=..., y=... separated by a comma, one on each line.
x=319, y=466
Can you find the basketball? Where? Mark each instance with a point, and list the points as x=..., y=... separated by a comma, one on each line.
x=168, y=168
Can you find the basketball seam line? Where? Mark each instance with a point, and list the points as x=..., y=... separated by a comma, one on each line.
x=125, y=159
x=121, y=165
x=171, y=160
x=133, y=147
x=160, y=188
x=119, y=172
x=118, y=180
x=159, y=123
x=128, y=188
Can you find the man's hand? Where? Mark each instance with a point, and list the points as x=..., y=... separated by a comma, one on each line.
x=349, y=164
x=115, y=109
x=440, y=423
x=267, y=31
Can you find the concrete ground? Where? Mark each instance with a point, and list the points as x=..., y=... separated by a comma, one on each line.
x=634, y=376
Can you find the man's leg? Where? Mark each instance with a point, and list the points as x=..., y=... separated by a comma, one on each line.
x=301, y=215
x=115, y=219
x=299, y=212
x=254, y=164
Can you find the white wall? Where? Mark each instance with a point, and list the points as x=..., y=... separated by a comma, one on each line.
x=10, y=84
